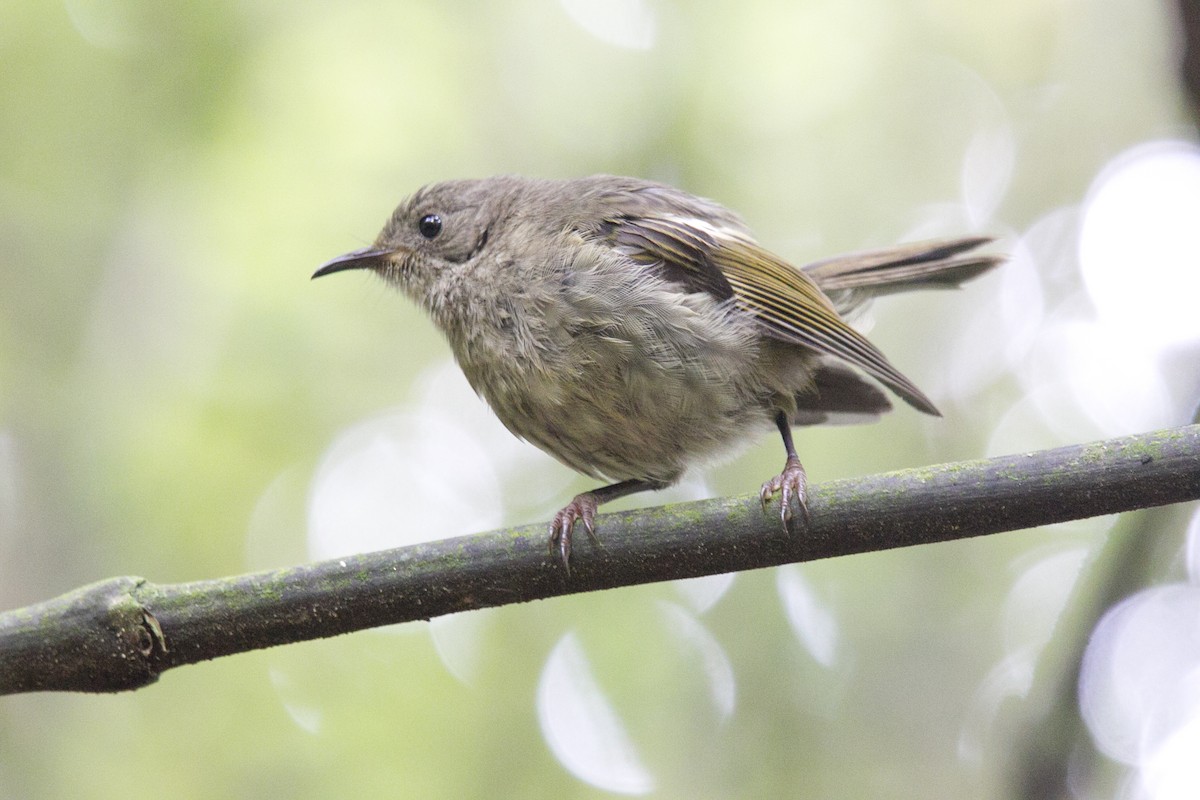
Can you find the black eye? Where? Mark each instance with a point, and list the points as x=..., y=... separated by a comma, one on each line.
x=430, y=226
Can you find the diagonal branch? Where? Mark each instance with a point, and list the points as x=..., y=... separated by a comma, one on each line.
x=124, y=632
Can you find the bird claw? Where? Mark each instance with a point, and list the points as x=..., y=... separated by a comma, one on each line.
x=581, y=509
x=792, y=486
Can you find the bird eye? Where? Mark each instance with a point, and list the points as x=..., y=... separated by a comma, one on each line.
x=430, y=226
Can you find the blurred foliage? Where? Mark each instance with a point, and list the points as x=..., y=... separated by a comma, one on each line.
x=169, y=378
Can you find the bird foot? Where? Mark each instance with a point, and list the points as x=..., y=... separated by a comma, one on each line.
x=581, y=509
x=792, y=486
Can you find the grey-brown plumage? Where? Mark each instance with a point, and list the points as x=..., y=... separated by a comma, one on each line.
x=632, y=330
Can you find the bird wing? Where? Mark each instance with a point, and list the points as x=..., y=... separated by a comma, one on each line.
x=785, y=301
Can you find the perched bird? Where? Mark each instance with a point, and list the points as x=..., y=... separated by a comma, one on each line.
x=631, y=329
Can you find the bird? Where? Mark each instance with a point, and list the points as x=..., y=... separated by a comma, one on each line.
x=633, y=330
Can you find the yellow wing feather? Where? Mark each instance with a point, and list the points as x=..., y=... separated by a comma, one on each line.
x=788, y=303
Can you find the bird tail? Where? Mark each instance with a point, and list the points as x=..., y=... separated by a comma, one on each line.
x=852, y=279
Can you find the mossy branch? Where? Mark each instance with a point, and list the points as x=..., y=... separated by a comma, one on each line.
x=123, y=633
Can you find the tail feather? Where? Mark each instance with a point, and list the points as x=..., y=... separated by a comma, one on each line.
x=850, y=280
x=839, y=395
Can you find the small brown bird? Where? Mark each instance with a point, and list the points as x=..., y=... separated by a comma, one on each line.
x=630, y=329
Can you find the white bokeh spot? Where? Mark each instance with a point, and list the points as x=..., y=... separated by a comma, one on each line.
x=582, y=728
x=812, y=623
x=711, y=656
x=400, y=479
x=629, y=24
x=1139, y=688
x=1139, y=245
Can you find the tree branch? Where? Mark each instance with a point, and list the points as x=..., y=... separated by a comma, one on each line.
x=124, y=632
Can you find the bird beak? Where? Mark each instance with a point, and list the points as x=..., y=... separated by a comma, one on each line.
x=366, y=258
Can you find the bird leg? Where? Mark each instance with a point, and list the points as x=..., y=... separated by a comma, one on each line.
x=583, y=509
x=792, y=483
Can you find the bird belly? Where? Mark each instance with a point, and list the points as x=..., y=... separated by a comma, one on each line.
x=622, y=426
x=675, y=383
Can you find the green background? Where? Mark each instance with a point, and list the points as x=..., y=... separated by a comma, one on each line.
x=171, y=383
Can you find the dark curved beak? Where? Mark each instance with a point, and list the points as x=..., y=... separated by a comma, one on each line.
x=366, y=258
